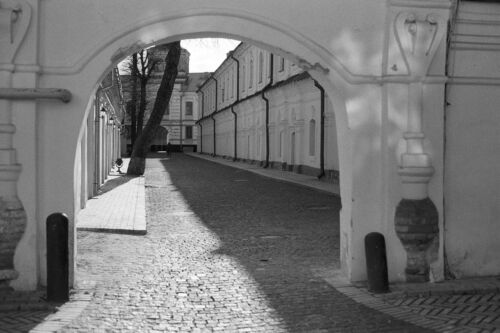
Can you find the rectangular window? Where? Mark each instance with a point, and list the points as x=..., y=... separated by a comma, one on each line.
x=312, y=137
x=261, y=67
x=282, y=64
x=189, y=132
x=189, y=108
x=223, y=91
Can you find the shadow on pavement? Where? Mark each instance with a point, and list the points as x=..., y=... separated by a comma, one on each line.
x=114, y=182
x=285, y=236
x=23, y=311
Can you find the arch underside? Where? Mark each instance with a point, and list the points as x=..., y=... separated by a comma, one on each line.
x=83, y=74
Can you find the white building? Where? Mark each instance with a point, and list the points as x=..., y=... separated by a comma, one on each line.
x=178, y=124
x=102, y=139
x=414, y=86
x=255, y=95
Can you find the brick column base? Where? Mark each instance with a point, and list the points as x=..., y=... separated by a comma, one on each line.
x=416, y=226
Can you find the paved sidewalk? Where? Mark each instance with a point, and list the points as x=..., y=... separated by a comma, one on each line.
x=468, y=305
x=449, y=306
x=119, y=207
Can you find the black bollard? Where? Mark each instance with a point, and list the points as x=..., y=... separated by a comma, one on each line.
x=57, y=258
x=376, y=263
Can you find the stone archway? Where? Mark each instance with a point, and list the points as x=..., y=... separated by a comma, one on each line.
x=344, y=52
x=81, y=77
x=319, y=74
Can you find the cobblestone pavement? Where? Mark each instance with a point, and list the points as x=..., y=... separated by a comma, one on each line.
x=226, y=250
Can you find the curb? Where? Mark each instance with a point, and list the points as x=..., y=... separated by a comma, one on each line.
x=134, y=232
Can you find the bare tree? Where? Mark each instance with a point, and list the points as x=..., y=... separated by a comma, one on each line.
x=140, y=66
x=132, y=106
x=146, y=66
x=138, y=159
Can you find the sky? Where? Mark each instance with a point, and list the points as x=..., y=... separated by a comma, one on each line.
x=207, y=53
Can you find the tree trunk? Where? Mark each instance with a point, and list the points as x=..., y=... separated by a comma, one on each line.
x=133, y=101
x=142, y=106
x=138, y=160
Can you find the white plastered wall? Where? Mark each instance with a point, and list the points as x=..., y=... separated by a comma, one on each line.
x=342, y=50
x=472, y=176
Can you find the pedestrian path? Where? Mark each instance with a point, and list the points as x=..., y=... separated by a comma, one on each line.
x=466, y=305
x=226, y=250
x=449, y=306
x=119, y=207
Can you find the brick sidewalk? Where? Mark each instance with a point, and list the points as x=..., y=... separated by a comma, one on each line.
x=469, y=305
x=119, y=207
x=450, y=306
x=226, y=250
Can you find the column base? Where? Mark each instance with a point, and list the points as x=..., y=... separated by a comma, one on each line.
x=416, y=223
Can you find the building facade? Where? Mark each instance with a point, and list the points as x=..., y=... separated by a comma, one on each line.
x=414, y=86
x=102, y=137
x=178, y=124
x=262, y=108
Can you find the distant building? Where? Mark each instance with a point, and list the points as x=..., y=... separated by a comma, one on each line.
x=178, y=124
x=255, y=95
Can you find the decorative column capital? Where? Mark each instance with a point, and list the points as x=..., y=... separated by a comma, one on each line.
x=414, y=38
x=417, y=33
x=15, y=18
x=418, y=37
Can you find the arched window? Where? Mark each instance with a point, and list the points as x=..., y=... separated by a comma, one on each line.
x=222, y=90
x=189, y=108
x=282, y=136
x=261, y=67
x=312, y=137
x=232, y=83
x=250, y=74
x=243, y=75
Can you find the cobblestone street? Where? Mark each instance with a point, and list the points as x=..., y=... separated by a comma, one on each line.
x=226, y=250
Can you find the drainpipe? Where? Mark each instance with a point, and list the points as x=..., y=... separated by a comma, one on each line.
x=237, y=76
x=215, y=146
x=201, y=138
x=232, y=111
x=235, y=134
x=202, y=115
x=322, y=131
x=180, y=122
x=267, y=128
x=271, y=65
x=202, y=103
x=213, y=118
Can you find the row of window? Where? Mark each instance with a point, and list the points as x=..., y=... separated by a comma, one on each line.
x=188, y=109
x=226, y=82
x=312, y=138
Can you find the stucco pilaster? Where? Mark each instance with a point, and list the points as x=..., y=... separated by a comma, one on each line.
x=17, y=122
x=415, y=56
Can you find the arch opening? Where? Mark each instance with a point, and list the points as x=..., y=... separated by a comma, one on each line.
x=108, y=54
